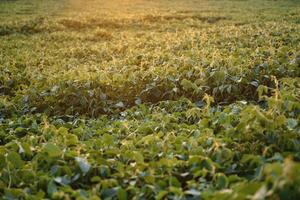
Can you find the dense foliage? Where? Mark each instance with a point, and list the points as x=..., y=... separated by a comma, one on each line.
x=150, y=99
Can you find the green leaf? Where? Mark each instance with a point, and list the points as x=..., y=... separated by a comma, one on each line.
x=72, y=139
x=62, y=180
x=108, y=139
x=261, y=194
x=108, y=193
x=51, y=188
x=262, y=90
x=138, y=157
x=122, y=194
x=193, y=192
x=161, y=195
x=188, y=85
x=63, y=131
x=2, y=162
x=52, y=150
x=254, y=83
x=15, y=159
x=291, y=123
x=221, y=181
x=83, y=164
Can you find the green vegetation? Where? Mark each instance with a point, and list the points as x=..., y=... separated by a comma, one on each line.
x=150, y=99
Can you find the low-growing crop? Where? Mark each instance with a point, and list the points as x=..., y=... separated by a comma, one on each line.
x=139, y=99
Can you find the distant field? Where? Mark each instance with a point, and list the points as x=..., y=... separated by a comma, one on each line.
x=150, y=99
